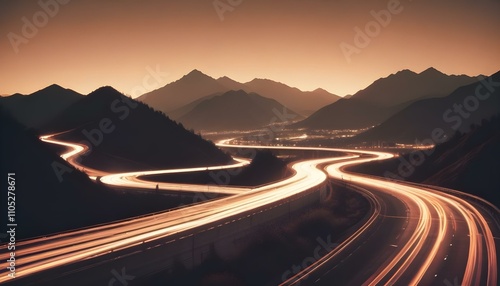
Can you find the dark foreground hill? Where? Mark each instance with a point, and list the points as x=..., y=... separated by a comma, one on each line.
x=235, y=110
x=36, y=109
x=51, y=196
x=468, y=162
x=128, y=135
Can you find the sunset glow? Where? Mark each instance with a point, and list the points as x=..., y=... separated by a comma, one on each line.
x=88, y=44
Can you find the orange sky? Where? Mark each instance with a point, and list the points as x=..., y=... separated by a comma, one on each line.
x=86, y=44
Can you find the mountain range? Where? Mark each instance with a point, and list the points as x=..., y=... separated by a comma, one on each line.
x=442, y=116
x=197, y=85
x=128, y=135
x=400, y=107
x=36, y=109
x=384, y=98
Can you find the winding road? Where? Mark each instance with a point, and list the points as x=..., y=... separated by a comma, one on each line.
x=416, y=234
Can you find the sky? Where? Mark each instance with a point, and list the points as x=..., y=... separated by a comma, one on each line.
x=341, y=46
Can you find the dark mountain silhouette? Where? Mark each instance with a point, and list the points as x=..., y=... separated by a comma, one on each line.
x=47, y=203
x=449, y=114
x=304, y=103
x=231, y=84
x=189, y=88
x=345, y=114
x=128, y=135
x=235, y=110
x=407, y=86
x=468, y=162
x=38, y=108
x=178, y=113
x=384, y=98
x=197, y=85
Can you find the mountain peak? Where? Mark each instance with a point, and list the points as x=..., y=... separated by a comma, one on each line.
x=54, y=86
x=106, y=88
x=195, y=71
x=432, y=71
x=261, y=80
x=56, y=90
x=405, y=72
x=51, y=88
x=104, y=91
x=195, y=74
x=320, y=90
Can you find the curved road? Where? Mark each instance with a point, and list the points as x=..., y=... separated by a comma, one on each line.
x=421, y=235
x=416, y=235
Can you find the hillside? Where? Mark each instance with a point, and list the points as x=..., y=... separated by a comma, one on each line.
x=384, y=98
x=455, y=112
x=345, y=114
x=189, y=88
x=469, y=162
x=302, y=102
x=179, y=112
x=128, y=135
x=408, y=86
x=36, y=109
x=234, y=110
x=51, y=196
x=196, y=85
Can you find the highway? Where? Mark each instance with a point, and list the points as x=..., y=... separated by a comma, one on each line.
x=416, y=234
x=131, y=179
x=46, y=253
x=420, y=235
x=429, y=226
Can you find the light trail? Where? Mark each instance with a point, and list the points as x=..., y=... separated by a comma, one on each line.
x=433, y=208
x=46, y=253
x=434, y=215
x=131, y=179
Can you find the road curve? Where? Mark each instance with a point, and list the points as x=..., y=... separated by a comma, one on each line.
x=131, y=179
x=416, y=235
x=49, y=252
x=422, y=235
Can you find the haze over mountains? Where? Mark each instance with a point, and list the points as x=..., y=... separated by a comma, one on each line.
x=303, y=102
x=235, y=110
x=465, y=106
x=128, y=135
x=197, y=85
x=404, y=104
x=383, y=98
x=36, y=109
